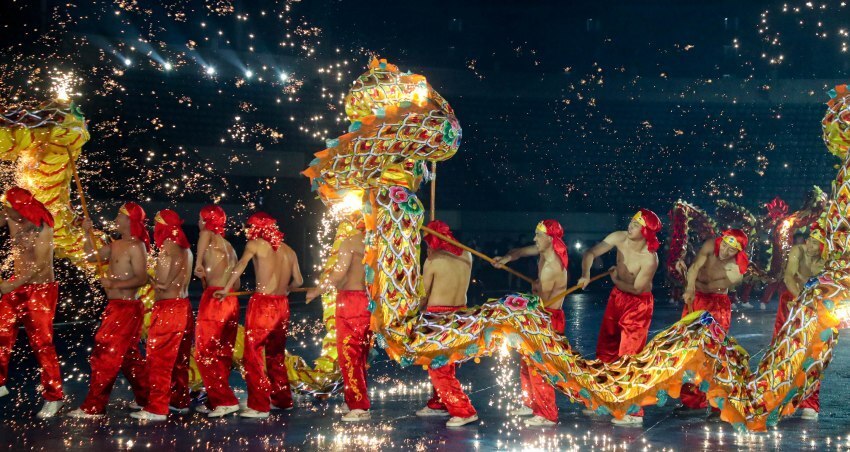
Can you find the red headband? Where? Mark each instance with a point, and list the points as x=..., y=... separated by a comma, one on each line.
x=650, y=226
x=554, y=230
x=137, y=218
x=263, y=226
x=214, y=219
x=736, y=239
x=23, y=202
x=436, y=243
x=169, y=226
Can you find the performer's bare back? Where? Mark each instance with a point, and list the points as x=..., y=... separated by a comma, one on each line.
x=447, y=277
x=173, y=271
x=219, y=260
x=273, y=269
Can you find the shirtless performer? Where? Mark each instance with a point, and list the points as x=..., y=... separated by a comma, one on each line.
x=29, y=297
x=267, y=318
x=447, y=272
x=353, y=336
x=625, y=323
x=539, y=396
x=719, y=266
x=116, y=344
x=804, y=261
x=170, y=331
x=215, y=333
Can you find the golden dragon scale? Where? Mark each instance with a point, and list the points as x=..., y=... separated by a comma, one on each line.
x=399, y=122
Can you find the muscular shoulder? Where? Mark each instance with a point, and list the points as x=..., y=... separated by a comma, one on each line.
x=707, y=247
x=616, y=238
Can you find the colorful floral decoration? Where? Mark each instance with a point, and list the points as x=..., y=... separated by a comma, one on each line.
x=399, y=121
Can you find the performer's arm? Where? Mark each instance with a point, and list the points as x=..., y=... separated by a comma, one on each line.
x=297, y=278
x=790, y=277
x=247, y=255
x=515, y=254
x=204, y=240
x=43, y=248
x=4, y=220
x=337, y=275
x=138, y=261
x=598, y=250
x=103, y=252
x=693, y=272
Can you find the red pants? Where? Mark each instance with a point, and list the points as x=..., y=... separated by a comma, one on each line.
x=169, y=346
x=116, y=348
x=813, y=401
x=625, y=326
x=537, y=394
x=353, y=340
x=447, y=392
x=266, y=323
x=215, y=335
x=771, y=289
x=719, y=306
x=34, y=305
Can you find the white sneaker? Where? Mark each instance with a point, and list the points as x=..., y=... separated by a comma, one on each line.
x=628, y=420
x=203, y=409
x=426, y=412
x=253, y=414
x=135, y=406
x=223, y=410
x=148, y=416
x=176, y=410
x=763, y=306
x=809, y=414
x=539, y=421
x=357, y=416
x=747, y=305
x=4, y=391
x=49, y=409
x=589, y=412
x=522, y=411
x=80, y=414
x=459, y=421
x=343, y=409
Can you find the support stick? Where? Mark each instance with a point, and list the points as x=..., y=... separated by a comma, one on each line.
x=481, y=255
x=433, y=190
x=575, y=288
x=251, y=292
x=85, y=207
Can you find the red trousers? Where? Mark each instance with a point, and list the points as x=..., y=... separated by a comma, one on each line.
x=720, y=307
x=771, y=289
x=116, y=348
x=169, y=346
x=537, y=394
x=34, y=305
x=266, y=323
x=353, y=340
x=215, y=335
x=785, y=299
x=447, y=392
x=625, y=326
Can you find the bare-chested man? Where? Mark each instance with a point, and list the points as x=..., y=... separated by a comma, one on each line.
x=539, y=396
x=215, y=333
x=267, y=318
x=447, y=272
x=719, y=266
x=804, y=261
x=30, y=295
x=170, y=331
x=628, y=314
x=353, y=336
x=116, y=344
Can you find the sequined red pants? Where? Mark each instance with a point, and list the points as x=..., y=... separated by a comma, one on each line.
x=353, y=340
x=786, y=299
x=215, y=335
x=537, y=394
x=266, y=324
x=720, y=307
x=447, y=393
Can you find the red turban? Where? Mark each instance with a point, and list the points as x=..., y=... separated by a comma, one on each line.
x=817, y=233
x=23, y=202
x=169, y=226
x=436, y=243
x=262, y=226
x=137, y=222
x=650, y=226
x=738, y=240
x=554, y=230
x=214, y=219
